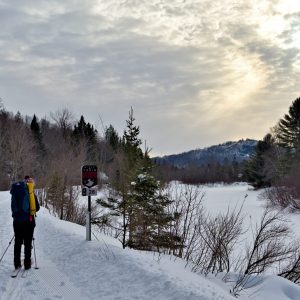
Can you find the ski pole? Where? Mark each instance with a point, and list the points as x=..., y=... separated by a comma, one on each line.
x=7, y=248
x=36, y=267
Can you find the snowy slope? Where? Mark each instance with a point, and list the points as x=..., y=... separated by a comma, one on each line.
x=223, y=153
x=71, y=268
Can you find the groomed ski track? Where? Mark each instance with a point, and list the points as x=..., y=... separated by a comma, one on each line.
x=72, y=268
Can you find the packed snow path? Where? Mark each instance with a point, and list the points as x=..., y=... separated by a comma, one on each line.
x=72, y=268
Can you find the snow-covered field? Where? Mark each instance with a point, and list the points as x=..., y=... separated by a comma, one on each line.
x=72, y=268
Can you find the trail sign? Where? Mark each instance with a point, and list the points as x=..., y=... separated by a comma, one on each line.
x=88, y=192
x=89, y=175
x=89, y=179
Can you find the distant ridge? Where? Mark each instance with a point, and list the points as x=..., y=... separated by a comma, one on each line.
x=223, y=153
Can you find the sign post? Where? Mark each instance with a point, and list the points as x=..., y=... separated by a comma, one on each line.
x=89, y=180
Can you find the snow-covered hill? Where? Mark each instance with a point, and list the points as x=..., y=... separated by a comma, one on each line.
x=72, y=268
x=223, y=153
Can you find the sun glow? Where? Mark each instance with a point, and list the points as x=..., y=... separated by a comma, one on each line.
x=247, y=77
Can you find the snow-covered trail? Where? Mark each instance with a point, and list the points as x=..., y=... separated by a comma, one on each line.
x=72, y=268
x=45, y=283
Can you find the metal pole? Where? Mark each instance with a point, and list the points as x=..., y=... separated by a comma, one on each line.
x=7, y=248
x=88, y=221
x=36, y=267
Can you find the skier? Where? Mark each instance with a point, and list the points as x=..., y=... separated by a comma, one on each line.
x=24, y=205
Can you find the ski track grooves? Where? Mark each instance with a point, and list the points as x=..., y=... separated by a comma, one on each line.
x=72, y=268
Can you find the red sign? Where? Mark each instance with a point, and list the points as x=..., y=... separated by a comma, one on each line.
x=89, y=175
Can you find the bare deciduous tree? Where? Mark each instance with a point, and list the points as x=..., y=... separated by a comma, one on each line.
x=292, y=270
x=188, y=209
x=63, y=176
x=63, y=119
x=217, y=238
x=269, y=247
x=19, y=151
x=281, y=197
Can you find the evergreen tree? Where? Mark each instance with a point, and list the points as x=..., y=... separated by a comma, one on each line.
x=150, y=220
x=112, y=137
x=133, y=162
x=85, y=132
x=35, y=128
x=287, y=134
x=37, y=134
x=130, y=159
x=18, y=117
x=257, y=168
x=145, y=220
x=288, y=128
x=120, y=204
x=132, y=141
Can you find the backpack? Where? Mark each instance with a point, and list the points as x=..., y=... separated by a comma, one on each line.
x=32, y=196
x=20, y=201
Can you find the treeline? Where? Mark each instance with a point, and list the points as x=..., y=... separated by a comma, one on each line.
x=52, y=153
x=45, y=150
x=202, y=174
x=276, y=162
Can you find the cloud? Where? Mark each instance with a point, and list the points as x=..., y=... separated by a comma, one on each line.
x=192, y=70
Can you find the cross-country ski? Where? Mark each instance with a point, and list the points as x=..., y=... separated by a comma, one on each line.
x=15, y=272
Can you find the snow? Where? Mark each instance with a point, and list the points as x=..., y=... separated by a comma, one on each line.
x=273, y=287
x=72, y=268
x=218, y=198
x=141, y=177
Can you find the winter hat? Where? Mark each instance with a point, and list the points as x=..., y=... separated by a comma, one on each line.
x=28, y=178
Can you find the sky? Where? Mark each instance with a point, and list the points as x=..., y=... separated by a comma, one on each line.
x=196, y=72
